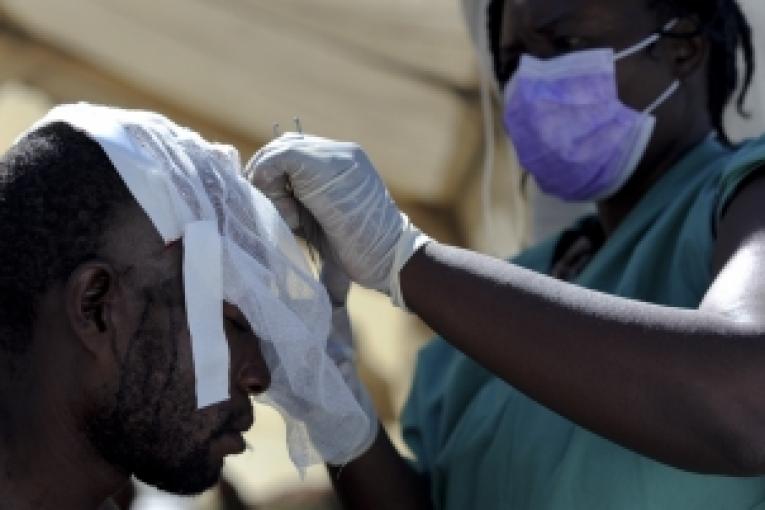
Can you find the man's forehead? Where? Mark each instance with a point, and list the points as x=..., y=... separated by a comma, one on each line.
x=131, y=238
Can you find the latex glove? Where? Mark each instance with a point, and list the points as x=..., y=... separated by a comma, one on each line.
x=340, y=345
x=335, y=181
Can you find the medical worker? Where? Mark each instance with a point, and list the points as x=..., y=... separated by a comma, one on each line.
x=621, y=364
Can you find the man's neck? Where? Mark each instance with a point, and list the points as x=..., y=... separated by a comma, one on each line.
x=46, y=461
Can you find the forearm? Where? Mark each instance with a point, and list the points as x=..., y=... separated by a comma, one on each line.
x=672, y=384
x=380, y=479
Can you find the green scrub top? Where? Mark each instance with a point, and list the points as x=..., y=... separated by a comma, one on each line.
x=484, y=445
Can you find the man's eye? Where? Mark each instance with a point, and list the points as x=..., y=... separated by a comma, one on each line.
x=238, y=325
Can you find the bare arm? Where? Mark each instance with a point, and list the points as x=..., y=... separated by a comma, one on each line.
x=686, y=387
x=380, y=479
x=682, y=386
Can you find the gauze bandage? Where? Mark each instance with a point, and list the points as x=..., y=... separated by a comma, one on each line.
x=235, y=248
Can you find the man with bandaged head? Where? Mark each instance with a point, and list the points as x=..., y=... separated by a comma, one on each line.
x=147, y=291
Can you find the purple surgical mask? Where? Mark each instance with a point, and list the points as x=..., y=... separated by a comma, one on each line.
x=569, y=127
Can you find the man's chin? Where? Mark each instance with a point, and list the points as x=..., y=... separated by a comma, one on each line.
x=189, y=485
x=229, y=443
x=188, y=478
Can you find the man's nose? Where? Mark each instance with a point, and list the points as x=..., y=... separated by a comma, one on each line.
x=252, y=376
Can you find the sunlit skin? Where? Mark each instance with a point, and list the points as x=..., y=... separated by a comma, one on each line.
x=700, y=409
x=107, y=389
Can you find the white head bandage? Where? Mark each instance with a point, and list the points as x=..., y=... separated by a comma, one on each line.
x=235, y=248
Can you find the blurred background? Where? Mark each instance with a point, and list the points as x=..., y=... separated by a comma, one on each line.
x=397, y=76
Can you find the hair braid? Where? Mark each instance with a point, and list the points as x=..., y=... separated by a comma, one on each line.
x=727, y=30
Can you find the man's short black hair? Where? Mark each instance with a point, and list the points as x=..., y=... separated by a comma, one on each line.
x=58, y=193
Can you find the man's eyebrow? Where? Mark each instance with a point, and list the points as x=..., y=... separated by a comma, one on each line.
x=171, y=244
x=160, y=252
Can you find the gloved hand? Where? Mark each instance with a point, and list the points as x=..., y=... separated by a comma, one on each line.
x=335, y=181
x=340, y=345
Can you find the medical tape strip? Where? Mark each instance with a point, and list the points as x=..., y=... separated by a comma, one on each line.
x=202, y=279
x=202, y=268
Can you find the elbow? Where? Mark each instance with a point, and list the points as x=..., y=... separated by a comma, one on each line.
x=724, y=431
x=743, y=452
x=728, y=409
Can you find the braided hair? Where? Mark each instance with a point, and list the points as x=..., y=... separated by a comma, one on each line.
x=724, y=25
x=58, y=194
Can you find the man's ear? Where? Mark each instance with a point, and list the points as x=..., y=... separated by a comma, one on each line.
x=91, y=296
x=687, y=52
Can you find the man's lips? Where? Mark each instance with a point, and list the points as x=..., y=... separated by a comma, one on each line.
x=237, y=423
x=243, y=423
x=228, y=439
x=231, y=442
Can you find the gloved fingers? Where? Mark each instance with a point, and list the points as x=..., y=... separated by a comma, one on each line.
x=271, y=180
x=268, y=168
x=338, y=184
x=335, y=280
x=299, y=157
x=289, y=210
x=340, y=345
x=310, y=230
x=284, y=149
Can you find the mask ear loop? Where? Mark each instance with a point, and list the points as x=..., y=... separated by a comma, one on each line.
x=637, y=48
x=640, y=47
x=662, y=98
x=653, y=38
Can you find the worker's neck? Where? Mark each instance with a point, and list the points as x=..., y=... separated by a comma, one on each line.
x=615, y=209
